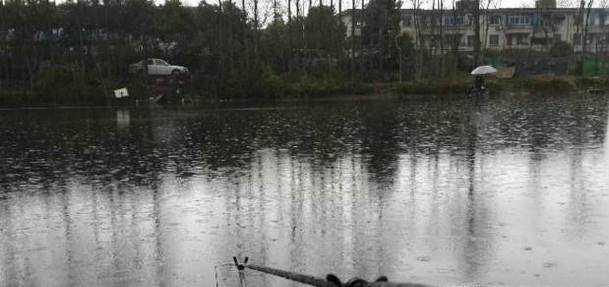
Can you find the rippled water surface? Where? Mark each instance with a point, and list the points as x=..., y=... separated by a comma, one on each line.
x=510, y=191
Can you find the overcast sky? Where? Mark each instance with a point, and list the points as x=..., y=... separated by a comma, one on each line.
x=346, y=3
x=265, y=6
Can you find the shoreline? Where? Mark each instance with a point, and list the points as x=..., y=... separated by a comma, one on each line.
x=406, y=91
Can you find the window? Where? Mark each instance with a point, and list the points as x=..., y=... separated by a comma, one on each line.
x=600, y=20
x=431, y=40
x=453, y=21
x=517, y=39
x=519, y=20
x=471, y=20
x=495, y=20
x=406, y=20
x=557, y=37
x=522, y=39
x=494, y=40
x=428, y=20
x=452, y=39
x=577, y=39
x=470, y=41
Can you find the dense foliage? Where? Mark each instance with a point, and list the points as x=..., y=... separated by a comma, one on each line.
x=77, y=52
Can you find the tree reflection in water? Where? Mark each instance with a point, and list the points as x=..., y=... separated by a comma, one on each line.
x=512, y=190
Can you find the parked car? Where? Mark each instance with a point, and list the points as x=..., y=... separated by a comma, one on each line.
x=157, y=67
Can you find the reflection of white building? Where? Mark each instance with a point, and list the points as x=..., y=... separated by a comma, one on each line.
x=507, y=28
x=123, y=119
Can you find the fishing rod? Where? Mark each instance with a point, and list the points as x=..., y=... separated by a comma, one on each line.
x=330, y=280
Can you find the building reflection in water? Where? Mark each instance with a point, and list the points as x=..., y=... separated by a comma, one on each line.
x=505, y=191
x=123, y=119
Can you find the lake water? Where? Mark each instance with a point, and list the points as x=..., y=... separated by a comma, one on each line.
x=512, y=190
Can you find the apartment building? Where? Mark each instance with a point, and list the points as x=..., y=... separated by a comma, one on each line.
x=536, y=28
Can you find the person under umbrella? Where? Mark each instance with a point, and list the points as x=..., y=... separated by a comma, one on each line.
x=479, y=73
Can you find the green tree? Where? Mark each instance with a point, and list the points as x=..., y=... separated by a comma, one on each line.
x=323, y=31
x=381, y=27
x=174, y=22
x=275, y=45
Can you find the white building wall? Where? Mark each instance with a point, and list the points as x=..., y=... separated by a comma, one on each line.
x=567, y=29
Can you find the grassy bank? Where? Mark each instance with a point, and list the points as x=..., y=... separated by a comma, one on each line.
x=528, y=85
x=66, y=90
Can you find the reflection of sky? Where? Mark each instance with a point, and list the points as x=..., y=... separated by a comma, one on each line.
x=287, y=214
x=607, y=143
x=474, y=210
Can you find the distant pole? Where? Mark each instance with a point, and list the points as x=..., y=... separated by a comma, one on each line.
x=256, y=15
x=361, y=40
x=352, y=43
x=476, y=14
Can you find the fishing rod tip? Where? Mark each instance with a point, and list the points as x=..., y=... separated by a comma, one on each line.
x=239, y=265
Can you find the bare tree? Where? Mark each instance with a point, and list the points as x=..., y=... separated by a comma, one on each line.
x=416, y=8
x=588, y=9
x=487, y=15
x=476, y=16
x=352, y=58
x=256, y=20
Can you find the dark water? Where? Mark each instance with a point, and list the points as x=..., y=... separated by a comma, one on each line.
x=512, y=191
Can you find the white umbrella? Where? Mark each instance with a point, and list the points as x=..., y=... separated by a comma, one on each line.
x=484, y=70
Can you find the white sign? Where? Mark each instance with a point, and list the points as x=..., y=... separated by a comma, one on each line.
x=121, y=93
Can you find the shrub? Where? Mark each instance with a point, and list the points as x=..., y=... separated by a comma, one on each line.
x=13, y=98
x=561, y=49
x=545, y=84
x=459, y=86
x=596, y=82
x=273, y=85
x=63, y=85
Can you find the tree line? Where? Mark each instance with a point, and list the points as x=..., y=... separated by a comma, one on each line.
x=79, y=51
x=76, y=49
